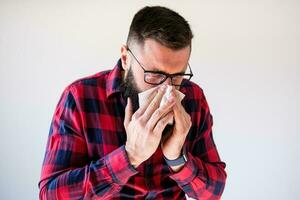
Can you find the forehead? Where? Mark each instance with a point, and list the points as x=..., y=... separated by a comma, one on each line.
x=157, y=57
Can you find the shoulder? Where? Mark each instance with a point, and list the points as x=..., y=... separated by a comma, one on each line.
x=95, y=82
x=195, y=99
x=89, y=87
x=192, y=90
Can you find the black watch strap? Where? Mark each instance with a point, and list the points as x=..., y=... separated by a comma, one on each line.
x=181, y=160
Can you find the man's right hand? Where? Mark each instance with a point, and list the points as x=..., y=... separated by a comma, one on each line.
x=144, y=128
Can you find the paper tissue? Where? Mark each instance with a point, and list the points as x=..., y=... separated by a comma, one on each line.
x=143, y=96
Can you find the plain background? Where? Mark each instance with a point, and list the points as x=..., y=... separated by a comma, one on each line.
x=245, y=57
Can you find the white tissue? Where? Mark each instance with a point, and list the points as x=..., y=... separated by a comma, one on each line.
x=143, y=96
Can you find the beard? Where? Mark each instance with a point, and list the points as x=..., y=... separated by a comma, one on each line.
x=129, y=89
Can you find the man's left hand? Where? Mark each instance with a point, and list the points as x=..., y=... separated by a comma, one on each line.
x=172, y=145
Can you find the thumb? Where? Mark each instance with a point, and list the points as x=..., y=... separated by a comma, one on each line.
x=128, y=112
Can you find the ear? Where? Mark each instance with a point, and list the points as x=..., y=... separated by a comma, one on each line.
x=124, y=57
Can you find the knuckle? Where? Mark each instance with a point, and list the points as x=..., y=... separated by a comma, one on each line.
x=147, y=129
x=134, y=116
x=141, y=121
x=153, y=103
x=158, y=113
x=149, y=106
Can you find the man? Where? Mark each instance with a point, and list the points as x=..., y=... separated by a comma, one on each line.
x=103, y=145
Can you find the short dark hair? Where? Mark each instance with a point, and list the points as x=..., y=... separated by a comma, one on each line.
x=161, y=24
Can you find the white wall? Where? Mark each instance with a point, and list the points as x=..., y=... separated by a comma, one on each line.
x=245, y=56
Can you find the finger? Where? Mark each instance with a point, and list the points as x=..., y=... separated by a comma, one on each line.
x=160, y=112
x=162, y=123
x=128, y=112
x=176, y=97
x=178, y=106
x=154, y=103
x=180, y=113
x=176, y=109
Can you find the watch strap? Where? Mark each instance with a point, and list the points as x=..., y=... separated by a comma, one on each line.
x=178, y=161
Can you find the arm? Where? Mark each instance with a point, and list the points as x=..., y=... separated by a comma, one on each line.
x=203, y=175
x=67, y=173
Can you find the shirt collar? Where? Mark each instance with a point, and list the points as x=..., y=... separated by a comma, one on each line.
x=114, y=79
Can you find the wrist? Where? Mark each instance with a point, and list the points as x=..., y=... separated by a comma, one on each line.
x=177, y=163
x=171, y=151
x=133, y=159
x=172, y=155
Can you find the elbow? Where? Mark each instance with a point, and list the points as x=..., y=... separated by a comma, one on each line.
x=44, y=190
x=43, y=193
x=219, y=184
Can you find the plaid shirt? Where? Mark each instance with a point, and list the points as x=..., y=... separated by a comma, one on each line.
x=85, y=156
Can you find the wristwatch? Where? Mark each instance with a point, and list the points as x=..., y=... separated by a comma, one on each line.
x=178, y=161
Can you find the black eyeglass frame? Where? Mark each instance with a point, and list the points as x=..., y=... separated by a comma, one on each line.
x=162, y=73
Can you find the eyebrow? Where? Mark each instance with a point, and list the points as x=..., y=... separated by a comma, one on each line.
x=160, y=71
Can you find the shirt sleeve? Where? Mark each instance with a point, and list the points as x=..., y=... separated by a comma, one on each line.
x=203, y=176
x=67, y=172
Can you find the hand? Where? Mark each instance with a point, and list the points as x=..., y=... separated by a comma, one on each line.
x=172, y=145
x=144, y=128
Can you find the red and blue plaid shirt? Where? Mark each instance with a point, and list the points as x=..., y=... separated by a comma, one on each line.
x=85, y=156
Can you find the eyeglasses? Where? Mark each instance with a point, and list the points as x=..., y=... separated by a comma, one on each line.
x=157, y=78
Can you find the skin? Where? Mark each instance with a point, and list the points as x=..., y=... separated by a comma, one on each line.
x=144, y=127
